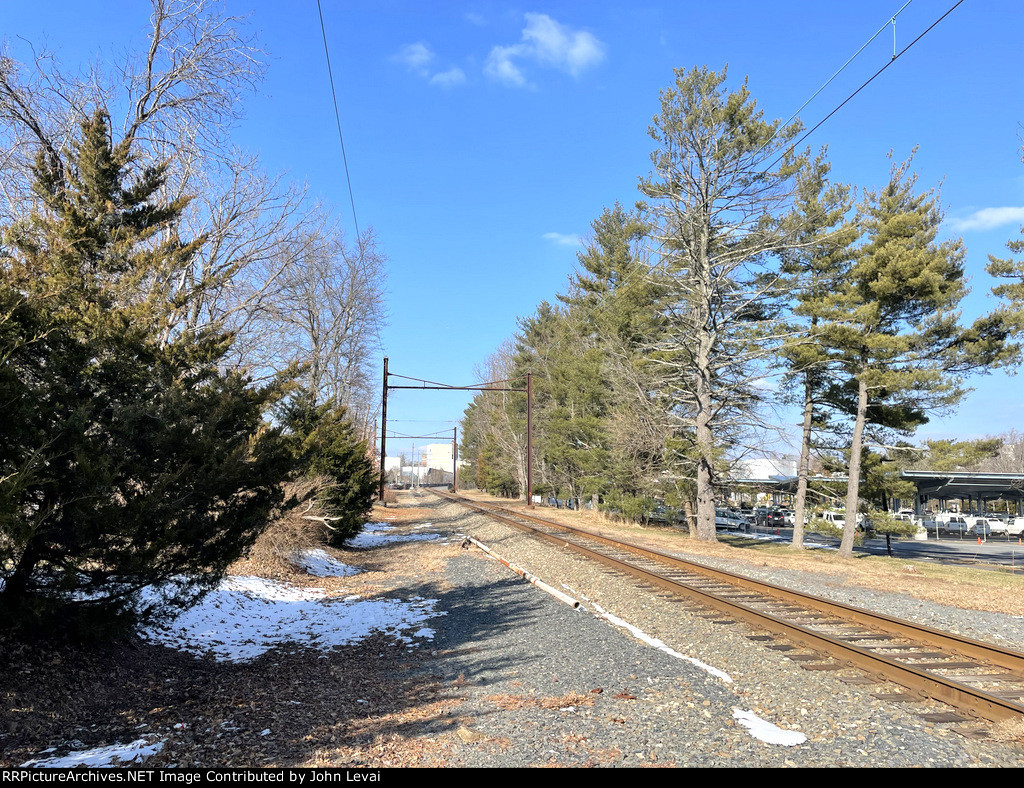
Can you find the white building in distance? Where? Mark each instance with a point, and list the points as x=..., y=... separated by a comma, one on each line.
x=764, y=468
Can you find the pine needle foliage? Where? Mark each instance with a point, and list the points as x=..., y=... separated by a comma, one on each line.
x=129, y=458
x=324, y=443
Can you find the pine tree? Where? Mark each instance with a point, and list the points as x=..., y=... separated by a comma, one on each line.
x=814, y=267
x=894, y=325
x=716, y=208
x=136, y=459
x=1010, y=314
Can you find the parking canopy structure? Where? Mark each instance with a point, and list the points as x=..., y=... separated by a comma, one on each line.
x=975, y=488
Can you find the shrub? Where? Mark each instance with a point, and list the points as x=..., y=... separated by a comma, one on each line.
x=323, y=442
x=127, y=456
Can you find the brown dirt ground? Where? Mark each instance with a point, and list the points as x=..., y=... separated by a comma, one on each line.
x=357, y=705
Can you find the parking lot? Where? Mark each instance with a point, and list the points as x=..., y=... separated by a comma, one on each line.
x=997, y=550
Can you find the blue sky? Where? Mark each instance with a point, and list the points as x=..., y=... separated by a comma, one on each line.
x=484, y=137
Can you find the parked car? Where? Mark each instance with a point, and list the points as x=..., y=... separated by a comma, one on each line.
x=834, y=517
x=1010, y=526
x=949, y=522
x=729, y=520
x=981, y=526
x=665, y=515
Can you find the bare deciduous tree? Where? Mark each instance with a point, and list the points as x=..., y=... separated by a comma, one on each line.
x=326, y=315
x=271, y=269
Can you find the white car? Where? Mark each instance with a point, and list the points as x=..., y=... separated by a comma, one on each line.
x=981, y=526
x=730, y=520
x=951, y=522
x=1011, y=526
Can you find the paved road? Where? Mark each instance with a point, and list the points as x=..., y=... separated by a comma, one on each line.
x=996, y=550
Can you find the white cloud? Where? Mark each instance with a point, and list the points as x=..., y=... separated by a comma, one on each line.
x=988, y=219
x=450, y=78
x=547, y=43
x=561, y=239
x=556, y=44
x=499, y=66
x=415, y=57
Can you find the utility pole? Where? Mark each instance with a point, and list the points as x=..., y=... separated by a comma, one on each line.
x=384, y=432
x=529, y=440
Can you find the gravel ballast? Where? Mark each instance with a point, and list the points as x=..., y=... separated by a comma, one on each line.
x=636, y=678
x=493, y=672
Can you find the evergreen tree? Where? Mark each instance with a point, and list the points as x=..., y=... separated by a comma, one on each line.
x=947, y=455
x=716, y=208
x=324, y=444
x=1010, y=314
x=134, y=460
x=814, y=267
x=894, y=324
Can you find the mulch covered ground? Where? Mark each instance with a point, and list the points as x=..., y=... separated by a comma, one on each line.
x=353, y=705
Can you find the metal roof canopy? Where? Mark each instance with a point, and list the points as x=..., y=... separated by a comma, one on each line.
x=786, y=484
x=959, y=484
x=933, y=484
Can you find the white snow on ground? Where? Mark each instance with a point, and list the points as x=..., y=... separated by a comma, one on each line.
x=375, y=535
x=245, y=617
x=651, y=641
x=765, y=731
x=809, y=543
x=319, y=563
x=114, y=755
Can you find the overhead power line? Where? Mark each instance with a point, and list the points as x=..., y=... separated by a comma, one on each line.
x=593, y=310
x=337, y=117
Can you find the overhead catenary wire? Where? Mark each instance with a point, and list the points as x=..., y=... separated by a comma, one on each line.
x=896, y=56
x=890, y=21
x=337, y=118
x=593, y=310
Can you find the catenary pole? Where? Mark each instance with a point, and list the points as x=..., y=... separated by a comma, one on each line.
x=383, y=431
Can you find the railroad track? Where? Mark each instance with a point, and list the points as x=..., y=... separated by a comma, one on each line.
x=981, y=680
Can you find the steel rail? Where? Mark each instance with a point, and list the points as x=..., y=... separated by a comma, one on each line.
x=961, y=696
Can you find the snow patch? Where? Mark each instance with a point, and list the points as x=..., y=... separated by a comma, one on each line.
x=765, y=731
x=321, y=564
x=376, y=534
x=658, y=644
x=99, y=757
x=245, y=617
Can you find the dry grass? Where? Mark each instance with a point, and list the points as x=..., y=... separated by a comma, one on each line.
x=287, y=534
x=968, y=587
